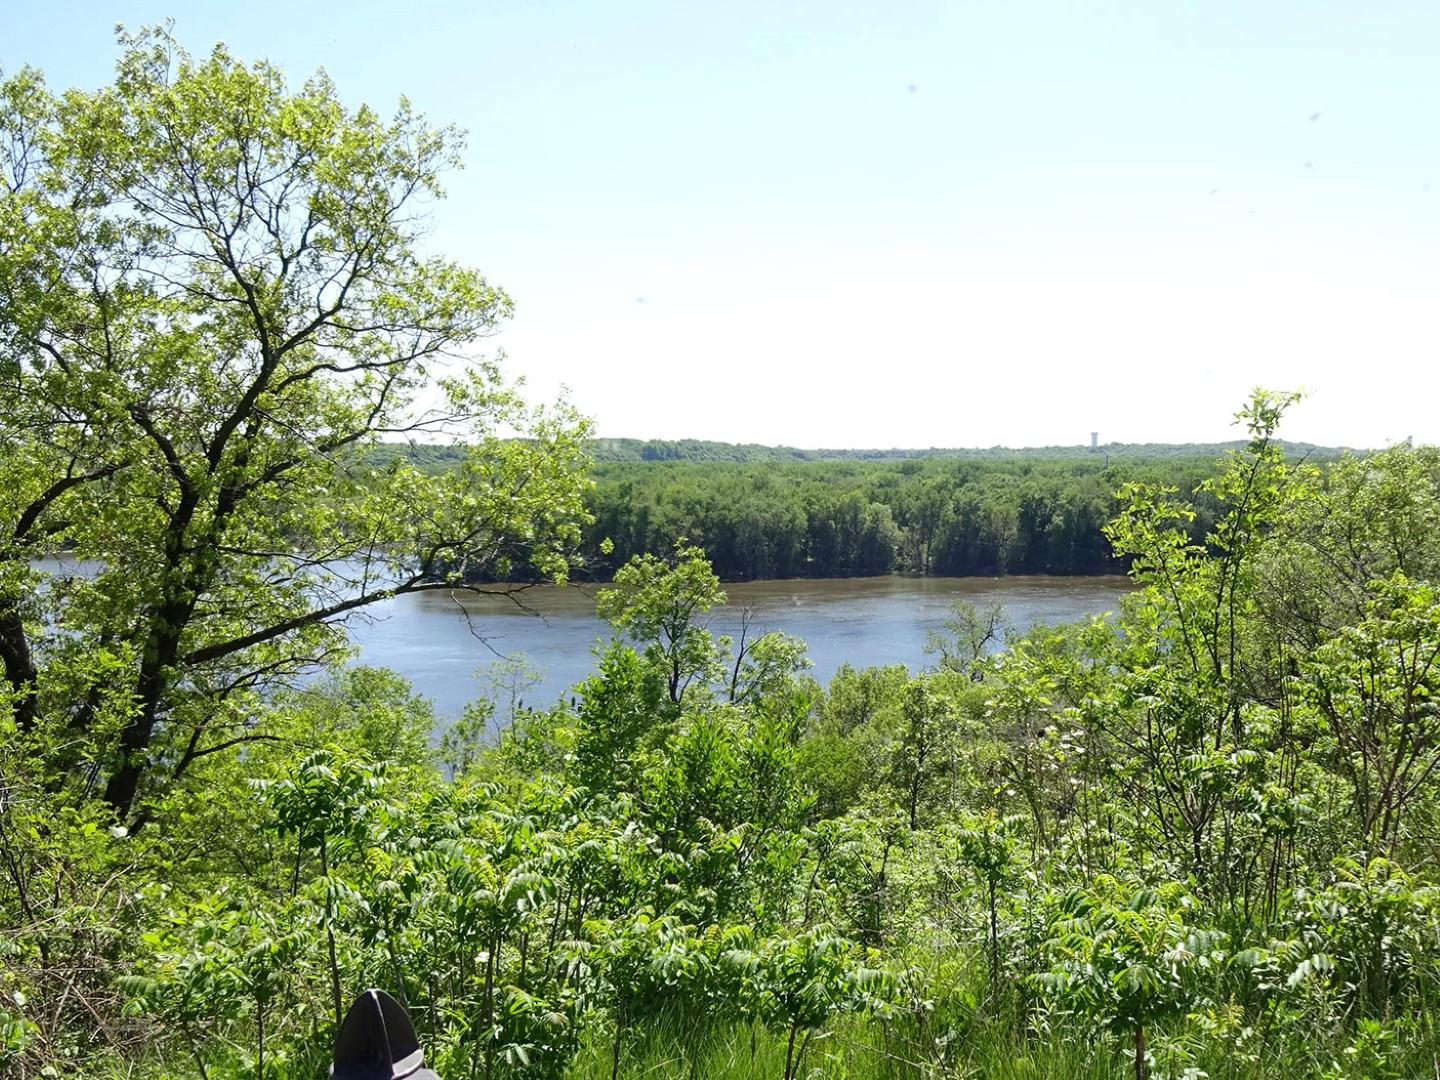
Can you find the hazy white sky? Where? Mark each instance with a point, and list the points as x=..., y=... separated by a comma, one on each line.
x=911, y=224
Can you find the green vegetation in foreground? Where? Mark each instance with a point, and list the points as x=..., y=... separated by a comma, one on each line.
x=1191, y=842
x=1197, y=840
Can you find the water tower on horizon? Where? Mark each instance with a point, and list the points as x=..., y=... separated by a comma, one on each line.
x=1094, y=441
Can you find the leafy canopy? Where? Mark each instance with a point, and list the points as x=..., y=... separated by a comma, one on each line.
x=213, y=295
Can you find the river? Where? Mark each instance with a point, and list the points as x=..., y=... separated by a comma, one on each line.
x=449, y=644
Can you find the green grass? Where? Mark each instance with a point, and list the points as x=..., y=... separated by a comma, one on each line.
x=853, y=1050
x=960, y=1032
x=856, y=1049
x=862, y=1049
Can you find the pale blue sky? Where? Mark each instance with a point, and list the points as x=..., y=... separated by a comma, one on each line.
x=914, y=223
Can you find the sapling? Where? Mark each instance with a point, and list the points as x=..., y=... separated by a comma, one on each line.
x=987, y=844
x=1127, y=958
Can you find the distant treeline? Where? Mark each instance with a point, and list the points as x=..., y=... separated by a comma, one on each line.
x=606, y=450
x=953, y=517
x=434, y=457
x=772, y=512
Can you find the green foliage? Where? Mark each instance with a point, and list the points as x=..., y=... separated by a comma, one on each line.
x=928, y=723
x=214, y=295
x=619, y=705
x=989, y=846
x=775, y=512
x=1128, y=958
x=966, y=635
x=1371, y=932
x=503, y=715
x=463, y=743
x=658, y=603
x=1375, y=683
x=826, y=519
x=797, y=986
x=372, y=711
x=835, y=770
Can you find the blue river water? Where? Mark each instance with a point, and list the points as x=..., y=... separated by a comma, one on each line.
x=451, y=645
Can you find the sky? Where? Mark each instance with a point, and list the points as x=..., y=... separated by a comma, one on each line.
x=909, y=224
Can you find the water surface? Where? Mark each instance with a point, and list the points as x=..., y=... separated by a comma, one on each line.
x=447, y=643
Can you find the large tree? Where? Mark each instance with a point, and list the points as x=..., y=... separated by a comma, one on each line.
x=212, y=299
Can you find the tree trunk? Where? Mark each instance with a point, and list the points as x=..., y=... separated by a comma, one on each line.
x=490, y=1008
x=994, y=941
x=330, y=937
x=619, y=1038
x=161, y=651
x=19, y=665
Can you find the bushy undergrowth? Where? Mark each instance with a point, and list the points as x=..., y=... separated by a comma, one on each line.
x=1193, y=841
